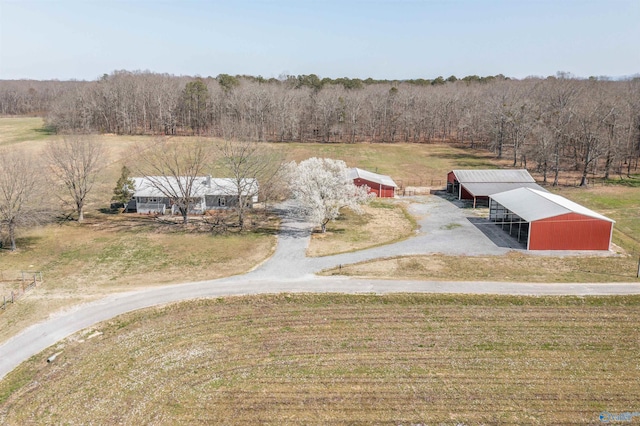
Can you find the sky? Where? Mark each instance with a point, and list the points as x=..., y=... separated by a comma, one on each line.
x=381, y=39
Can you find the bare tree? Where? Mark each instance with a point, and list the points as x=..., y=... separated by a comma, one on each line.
x=21, y=193
x=591, y=118
x=559, y=104
x=75, y=162
x=632, y=137
x=173, y=169
x=246, y=162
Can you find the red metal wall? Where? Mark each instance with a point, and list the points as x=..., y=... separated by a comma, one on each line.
x=451, y=177
x=464, y=194
x=380, y=190
x=571, y=231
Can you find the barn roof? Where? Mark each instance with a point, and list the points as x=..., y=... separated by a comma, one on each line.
x=356, y=173
x=531, y=205
x=202, y=186
x=489, y=188
x=493, y=176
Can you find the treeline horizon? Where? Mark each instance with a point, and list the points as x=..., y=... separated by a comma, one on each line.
x=555, y=123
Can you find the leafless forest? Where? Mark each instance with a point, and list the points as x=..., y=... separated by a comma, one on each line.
x=549, y=125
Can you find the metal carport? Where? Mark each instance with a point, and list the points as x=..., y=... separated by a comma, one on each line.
x=549, y=221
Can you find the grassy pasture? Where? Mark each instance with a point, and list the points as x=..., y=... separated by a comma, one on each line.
x=415, y=164
x=338, y=359
x=14, y=130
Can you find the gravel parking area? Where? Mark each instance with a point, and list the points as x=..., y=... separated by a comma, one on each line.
x=447, y=226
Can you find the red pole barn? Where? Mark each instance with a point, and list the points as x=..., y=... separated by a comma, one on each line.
x=381, y=185
x=546, y=221
x=478, y=185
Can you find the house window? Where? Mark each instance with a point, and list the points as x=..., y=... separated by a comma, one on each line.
x=222, y=201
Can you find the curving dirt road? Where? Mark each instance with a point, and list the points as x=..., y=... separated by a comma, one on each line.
x=289, y=270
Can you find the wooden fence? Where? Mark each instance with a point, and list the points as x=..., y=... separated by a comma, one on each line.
x=22, y=282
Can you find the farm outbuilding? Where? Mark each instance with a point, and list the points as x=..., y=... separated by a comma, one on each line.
x=381, y=185
x=548, y=221
x=478, y=185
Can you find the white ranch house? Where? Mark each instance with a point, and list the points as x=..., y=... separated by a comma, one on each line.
x=153, y=194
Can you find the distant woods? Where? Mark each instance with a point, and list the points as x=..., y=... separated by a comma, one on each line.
x=557, y=123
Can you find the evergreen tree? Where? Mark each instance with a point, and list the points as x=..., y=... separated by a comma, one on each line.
x=124, y=187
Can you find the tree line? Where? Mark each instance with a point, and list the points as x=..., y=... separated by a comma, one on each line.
x=549, y=124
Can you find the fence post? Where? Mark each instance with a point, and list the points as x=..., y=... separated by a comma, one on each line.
x=638, y=273
x=11, y=296
x=4, y=303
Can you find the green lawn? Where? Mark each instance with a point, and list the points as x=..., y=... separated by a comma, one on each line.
x=620, y=203
x=15, y=130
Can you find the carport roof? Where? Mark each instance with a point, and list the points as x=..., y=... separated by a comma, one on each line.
x=493, y=176
x=531, y=205
x=487, y=189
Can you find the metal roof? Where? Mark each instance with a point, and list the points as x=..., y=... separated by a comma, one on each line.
x=486, y=189
x=202, y=186
x=497, y=175
x=531, y=205
x=371, y=177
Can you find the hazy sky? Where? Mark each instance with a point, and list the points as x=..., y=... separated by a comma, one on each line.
x=385, y=39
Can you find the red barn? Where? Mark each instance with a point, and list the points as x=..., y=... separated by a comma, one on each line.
x=381, y=185
x=550, y=222
x=480, y=184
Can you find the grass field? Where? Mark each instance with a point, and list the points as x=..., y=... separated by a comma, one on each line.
x=351, y=231
x=337, y=359
x=14, y=130
x=407, y=164
x=85, y=262
x=512, y=267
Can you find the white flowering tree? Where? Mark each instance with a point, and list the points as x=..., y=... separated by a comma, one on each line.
x=323, y=188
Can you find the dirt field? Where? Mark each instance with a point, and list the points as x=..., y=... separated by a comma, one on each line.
x=336, y=359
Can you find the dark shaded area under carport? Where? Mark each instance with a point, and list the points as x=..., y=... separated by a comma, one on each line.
x=496, y=234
